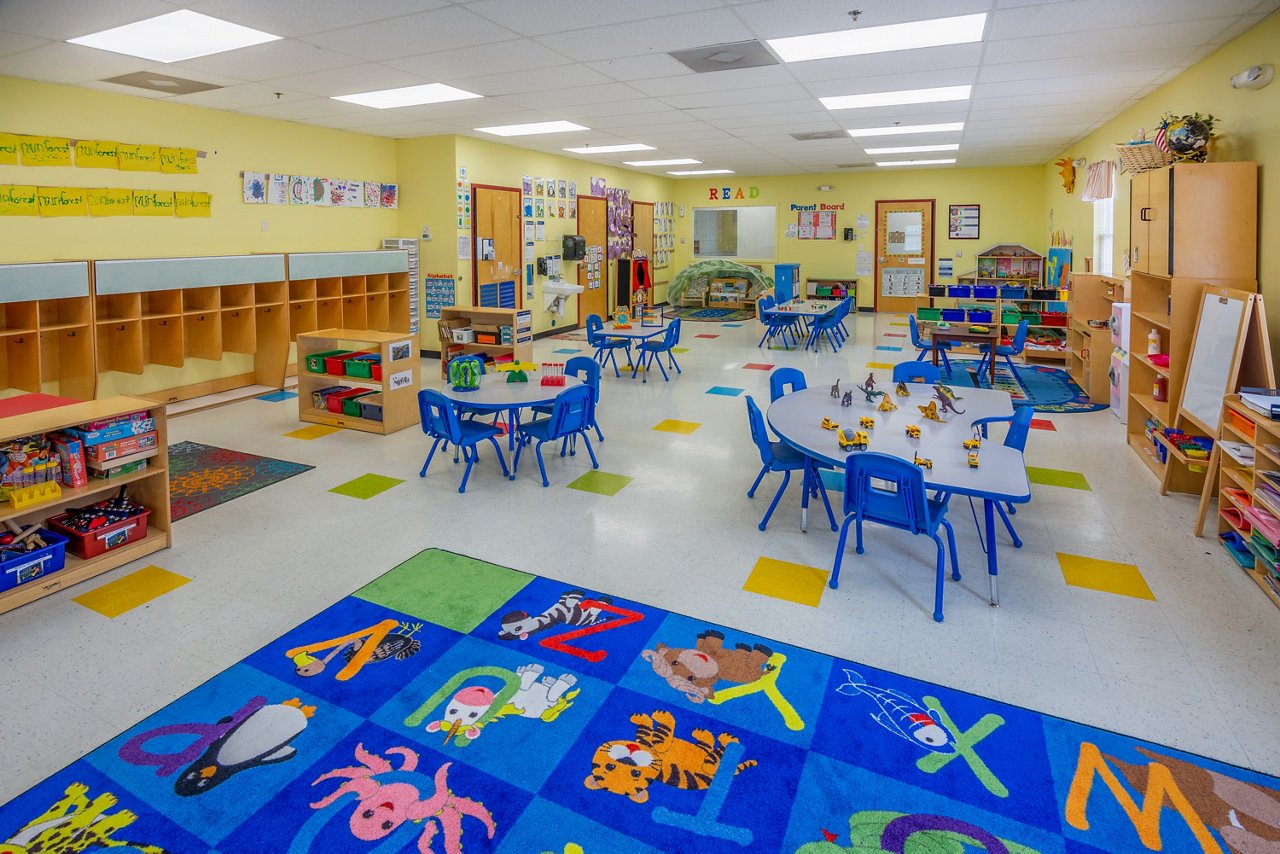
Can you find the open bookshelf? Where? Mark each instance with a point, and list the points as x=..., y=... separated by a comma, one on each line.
x=398, y=382
x=1249, y=495
x=46, y=329
x=1089, y=347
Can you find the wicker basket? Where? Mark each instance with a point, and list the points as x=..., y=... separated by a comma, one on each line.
x=1142, y=158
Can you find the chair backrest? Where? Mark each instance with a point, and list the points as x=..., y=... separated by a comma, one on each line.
x=1020, y=337
x=916, y=340
x=595, y=326
x=765, y=303
x=759, y=435
x=898, y=500
x=916, y=372
x=572, y=411
x=1019, y=427
x=588, y=370
x=439, y=418
x=784, y=381
x=672, y=338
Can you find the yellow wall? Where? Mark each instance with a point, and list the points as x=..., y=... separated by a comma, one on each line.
x=1012, y=201
x=1248, y=128
x=234, y=142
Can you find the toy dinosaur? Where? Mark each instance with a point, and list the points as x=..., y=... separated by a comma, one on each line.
x=847, y=400
x=946, y=404
x=835, y=389
x=887, y=404
x=930, y=412
x=871, y=393
x=871, y=381
x=902, y=390
x=947, y=390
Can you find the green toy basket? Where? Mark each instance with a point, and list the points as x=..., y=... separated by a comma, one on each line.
x=932, y=315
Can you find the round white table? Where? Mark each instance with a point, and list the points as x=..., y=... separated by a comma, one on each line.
x=1001, y=475
x=495, y=394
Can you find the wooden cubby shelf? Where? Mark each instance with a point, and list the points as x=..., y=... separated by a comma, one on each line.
x=46, y=329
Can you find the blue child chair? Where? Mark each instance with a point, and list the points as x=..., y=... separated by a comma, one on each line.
x=777, y=324
x=916, y=372
x=441, y=423
x=605, y=346
x=784, y=381
x=587, y=370
x=569, y=417
x=1014, y=348
x=651, y=350
x=1016, y=438
x=779, y=456
x=927, y=347
x=890, y=491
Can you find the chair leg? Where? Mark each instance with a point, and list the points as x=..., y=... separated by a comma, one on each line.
x=751, y=493
x=537, y=450
x=515, y=461
x=613, y=358
x=1013, y=370
x=656, y=357
x=468, y=454
x=437, y=442
x=595, y=464
x=822, y=488
x=920, y=356
x=672, y=363
x=951, y=544
x=946, y=361
x=596, y=424
x=835, y=567
x=940, y=575
x=858, y=532
x=1004, y=517
x=786, y=479
x=501, y=460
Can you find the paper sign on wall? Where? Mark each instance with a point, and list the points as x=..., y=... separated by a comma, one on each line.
x=45, y=150
x=401, y=379
x=18, y=200
x=139, y=158
x=61, y=201
x=400, y=350
x=192, y=205
x=97, y=154
x=8, y=149
x=153, y=203
x=178, y=161
x=110, y=201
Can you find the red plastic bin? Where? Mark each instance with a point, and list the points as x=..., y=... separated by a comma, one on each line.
x=103, y=539
x=337, y=364
x=1053, y=318
x=334, y=401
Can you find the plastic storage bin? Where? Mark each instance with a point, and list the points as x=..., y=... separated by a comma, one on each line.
x=962, y=291
x=363, y=366
x=985, y=291
x=1044, y=293
x=937, y=290
x=351, y=405
x=979, y=315
x=371, y=407
x=318, y=396
x=1013, y=292
x=1010, y=315
x=337, y=363
x=932, y=315
x=1031, y=317
x=953, y=315
x=333, y=402
x=104, y=539
x=22, y=568
x=1053, y=318
x=315, y=361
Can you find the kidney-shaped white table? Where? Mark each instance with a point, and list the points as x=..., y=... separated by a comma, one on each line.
x=1000, y=476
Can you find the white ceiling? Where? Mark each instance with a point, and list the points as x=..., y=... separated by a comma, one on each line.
x=1047, y=72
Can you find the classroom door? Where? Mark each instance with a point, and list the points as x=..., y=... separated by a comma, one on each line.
x=495, y=253
x=904, y=253
x=594, y=228
x=642, y=238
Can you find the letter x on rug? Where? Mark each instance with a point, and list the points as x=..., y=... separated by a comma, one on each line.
x=453, y=702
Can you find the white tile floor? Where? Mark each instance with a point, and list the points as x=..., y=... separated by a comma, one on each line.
x=1195, y=669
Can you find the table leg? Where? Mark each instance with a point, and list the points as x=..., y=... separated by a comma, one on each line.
x=993, y=568
x=804, y=502
x=935, y=355
x=993, y=362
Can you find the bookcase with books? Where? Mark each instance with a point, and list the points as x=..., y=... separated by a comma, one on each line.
x=1249, y=492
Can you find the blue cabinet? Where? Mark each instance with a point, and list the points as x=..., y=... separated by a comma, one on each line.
x=786, y=279
x=498, y=295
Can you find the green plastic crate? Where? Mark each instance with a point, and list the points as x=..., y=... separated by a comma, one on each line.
x=933, y=315
x=823, y=291
x=362, y=366
x=1031, y=317
x=315, y=361
x=351, y=405
x=1010, y=316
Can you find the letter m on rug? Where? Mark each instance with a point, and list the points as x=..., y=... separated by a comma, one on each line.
x=1145, y=820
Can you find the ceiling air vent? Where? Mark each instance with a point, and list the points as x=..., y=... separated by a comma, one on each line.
x=726, y=57
x=161, y=83
x=820, y=134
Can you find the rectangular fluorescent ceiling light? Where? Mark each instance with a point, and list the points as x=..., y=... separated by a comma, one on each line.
x=174, y=37
x=893, y=99
x=902, y=129
x=408, y=96
x=703, y=172
x=909, y=36
x=674, y=161
x=915, y=162
x=910, y=149
x=532, y=128
x=611, y=149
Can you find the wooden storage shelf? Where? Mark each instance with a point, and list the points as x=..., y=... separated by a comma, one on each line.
x=1090, y=358
x=238, y=330
x=202, y=336
x=328, y=289
x=149, y=487
x=399, y=392
x=163, y=341
x=1164, y=321
x=162, y=304
x=1158, y=408
x=1146, y=360
x=120, y=346
x=302, y=290
x=520, y=320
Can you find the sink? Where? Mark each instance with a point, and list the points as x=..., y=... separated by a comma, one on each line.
x=556, y=293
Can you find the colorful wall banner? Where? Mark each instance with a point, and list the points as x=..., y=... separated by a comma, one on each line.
x=110, y=201
x=61, y=201
x=178, y=161
x=139, y=158
x=8, y=149
x=18, y=200
x=192, y=205
x=97, y=154
x=153, y=202
x=45, y=150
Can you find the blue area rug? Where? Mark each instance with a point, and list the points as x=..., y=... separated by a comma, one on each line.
x=707, y=314
x=453, y=703
x=1045, y=388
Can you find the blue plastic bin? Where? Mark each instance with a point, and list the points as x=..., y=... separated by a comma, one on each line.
x=22, y=568
x=953, y=315
x=1012, y=292
x=979, y=315
x=985, y=291
x=963, y=291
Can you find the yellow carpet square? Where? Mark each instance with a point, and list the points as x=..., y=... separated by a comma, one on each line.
x=793, y=582
x=880, y=366
x=1123, y=579
x=136, y=588
x=673, y=426
x=313, y=431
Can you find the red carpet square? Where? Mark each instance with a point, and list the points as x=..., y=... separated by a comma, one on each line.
x=706, y=335
x=1042, y=424
x=758, y=366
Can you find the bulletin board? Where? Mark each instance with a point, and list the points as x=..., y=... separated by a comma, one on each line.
x=437, y=293
x=816, y=225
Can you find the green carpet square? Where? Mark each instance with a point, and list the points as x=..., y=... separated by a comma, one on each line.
x=1058, y=477
x=601, y=482
x=451, y=590
x=366, y=486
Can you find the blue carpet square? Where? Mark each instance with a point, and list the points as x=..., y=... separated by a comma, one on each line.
x=732, y=325
x=566, y=350
x=725, y=390
x=278, y=396
x=887, y=347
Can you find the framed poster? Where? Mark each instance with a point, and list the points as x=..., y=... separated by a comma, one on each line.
x=962, y=223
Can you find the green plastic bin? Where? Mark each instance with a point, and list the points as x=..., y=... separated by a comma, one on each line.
x=1031, y=317
x=315, y=361
x=932, y=315
x=351, y=405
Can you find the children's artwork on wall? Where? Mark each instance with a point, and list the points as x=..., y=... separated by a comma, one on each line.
x=372, y=194
x=573, y=189
x=391, y=195
x=526, y=206
x=562, y=188
x=1059, y=264
x=573, y=207
x=560, y=210
x=597, y=186
x=539, y=207
x=551, y=208
x=526, y=185
x=255, y=188
x=539, y=187
x=277, y=189
x=618, y=217
x=300, y=190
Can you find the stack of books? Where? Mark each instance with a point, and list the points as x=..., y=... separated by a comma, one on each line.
x=1262, y=400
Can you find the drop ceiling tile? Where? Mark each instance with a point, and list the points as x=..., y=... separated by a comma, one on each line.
x=612, y=94
x=406, y=130
x=566, y=16
x=472, y=110
x=883, y=65
x=300, y=17
x=238, y=97
x=718, y=81
x=778, y=18
x=307, y=108
x=644, y=67
x=636, y=106
x=1075, y=16
x=792, y=92
x=17, y=42
x=265, y=61
x=531, y=80
x=117, y=89
x=1169, y=35
x=442, y=29
x=925, y=78
x=1084, y=84
x=659, y=35
x=351, y=80
x=499, y=58
x=59, y=62
x=65, y=19
x=1110, y=64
